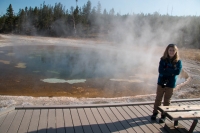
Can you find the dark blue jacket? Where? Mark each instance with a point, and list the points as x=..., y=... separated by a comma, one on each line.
x=168, y=72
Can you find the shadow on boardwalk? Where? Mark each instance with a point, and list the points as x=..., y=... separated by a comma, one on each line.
x=130, y=125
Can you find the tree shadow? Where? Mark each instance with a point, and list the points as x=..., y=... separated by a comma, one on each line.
x=122, y=125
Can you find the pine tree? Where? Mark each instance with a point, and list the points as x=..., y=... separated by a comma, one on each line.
x=76, y=2
x=2, y=22
x=8, y=27
x=99, y=8
x=21, y=20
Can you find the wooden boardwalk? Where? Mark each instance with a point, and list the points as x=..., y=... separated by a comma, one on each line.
x=104, y=118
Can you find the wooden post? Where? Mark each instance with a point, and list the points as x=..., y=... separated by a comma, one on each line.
x=193, y=126
x=176, y=123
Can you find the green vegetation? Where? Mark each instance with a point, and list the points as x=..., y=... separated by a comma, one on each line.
x=88, y=21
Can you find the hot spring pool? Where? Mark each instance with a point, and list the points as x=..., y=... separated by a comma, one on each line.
x=40, y=70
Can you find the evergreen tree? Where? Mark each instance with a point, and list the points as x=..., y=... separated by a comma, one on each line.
x=112, y=12
x=93, y=15
x=76, y=2
x=35, y=20
x=2, y=22
x=56, y=21
x=21, y=20
x=99, y=8
x=8, y=26
x=86, y=12
x=58, y=11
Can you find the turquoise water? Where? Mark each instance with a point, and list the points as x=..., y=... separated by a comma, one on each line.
x=41, y=70
x=66, y=62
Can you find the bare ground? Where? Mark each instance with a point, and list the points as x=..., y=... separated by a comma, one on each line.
x=191, y=88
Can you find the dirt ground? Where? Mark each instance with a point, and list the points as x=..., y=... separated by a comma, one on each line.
x=187, y=90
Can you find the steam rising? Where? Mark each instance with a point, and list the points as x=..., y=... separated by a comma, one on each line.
x=129, y=52
x=148, y=31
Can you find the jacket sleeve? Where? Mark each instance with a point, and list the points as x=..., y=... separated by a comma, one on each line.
x=175, y=71
x=162, y=70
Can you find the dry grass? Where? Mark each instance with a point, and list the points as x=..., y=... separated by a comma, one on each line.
x=192, y=54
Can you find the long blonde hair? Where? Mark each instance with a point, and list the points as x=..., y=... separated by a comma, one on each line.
x=176, y=56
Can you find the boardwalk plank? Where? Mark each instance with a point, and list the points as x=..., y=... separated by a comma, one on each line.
x=60, y=125
x=7, y=122
x=114, y=120
x=166, y=121
x=143, y=119
x=184, y=107
x=185, y=123
x=149, y=107
x=131, y=118
x=195, y=103
x=169, y=122
x=198, y=124
x=185, y=115
x=92, y=121
x=42, y=127
x=2, y=118
x=143, y=110
x=51, y=128
x=122, y=120
x=25, y=121
x=107, y=120
x=16, y=122
x=198, y=102
x=69, y=128
x=189, y=122
x=34, y=121
x=100, y=121
x=148, y=112
x=84, y=121
x=76, y=121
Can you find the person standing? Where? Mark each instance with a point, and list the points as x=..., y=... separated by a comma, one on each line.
x=169, y=68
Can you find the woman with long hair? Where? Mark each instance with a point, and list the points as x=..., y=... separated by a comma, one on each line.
x=169, y=68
